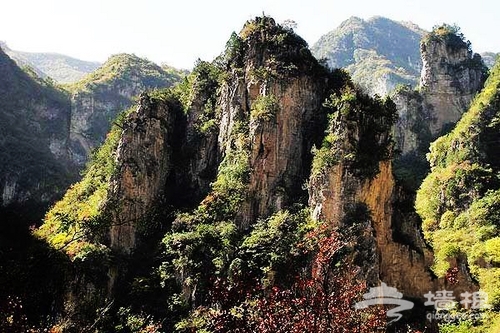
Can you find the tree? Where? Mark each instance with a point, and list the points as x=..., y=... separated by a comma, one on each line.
x=319, y=300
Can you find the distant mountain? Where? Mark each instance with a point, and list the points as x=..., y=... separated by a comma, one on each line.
x=48, y=131
x=489, y=58
x=175, y=72
x=34, y=131
x=61, y=68
x=100, y=96
x=379, y=53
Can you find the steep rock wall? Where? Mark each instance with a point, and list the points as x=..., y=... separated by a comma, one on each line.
x=144, y=163
x=451, y=76
x=405, y=266
x=97, y=101
x=279, y=96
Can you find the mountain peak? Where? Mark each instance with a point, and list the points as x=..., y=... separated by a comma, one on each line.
x=120, y=67
x=62, y=68
x=393, y=56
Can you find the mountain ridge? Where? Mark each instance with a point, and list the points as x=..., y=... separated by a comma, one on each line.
x=60, y=67
x=379, y=53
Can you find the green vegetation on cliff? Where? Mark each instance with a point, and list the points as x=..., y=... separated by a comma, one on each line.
x=449, y=34
x=459, y=201
x=379, y=53
x=77, y=219
x=126, y=68
x=360, y=151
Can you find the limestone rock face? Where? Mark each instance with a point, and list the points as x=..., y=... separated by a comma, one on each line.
x=388, y=247
x=162, y=162
x=451, y=76
x=412, y=129
x=144, y=163
x=200, y=155
x=387, y=260
x=278, y=146
x=91, y=115
x=279, y=106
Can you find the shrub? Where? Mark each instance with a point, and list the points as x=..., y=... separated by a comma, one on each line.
x=264, y=108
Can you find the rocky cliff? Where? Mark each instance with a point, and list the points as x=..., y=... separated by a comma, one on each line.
x=141, y=173
x=451, y=76
x=262, y=114
x=241, y=153
x=278, y=96
x=354, y=190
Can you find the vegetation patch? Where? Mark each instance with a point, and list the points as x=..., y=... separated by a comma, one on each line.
x=459, y=201
x=357, y=133
x=264, y=108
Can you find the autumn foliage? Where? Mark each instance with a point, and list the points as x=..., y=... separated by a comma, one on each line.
x=320, y=299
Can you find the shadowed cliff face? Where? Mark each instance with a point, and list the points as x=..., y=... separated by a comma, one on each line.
x=34, y=129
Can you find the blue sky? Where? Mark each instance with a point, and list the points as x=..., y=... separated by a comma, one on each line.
x=179, y=32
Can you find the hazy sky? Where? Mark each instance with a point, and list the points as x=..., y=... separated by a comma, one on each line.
x=179, y=32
